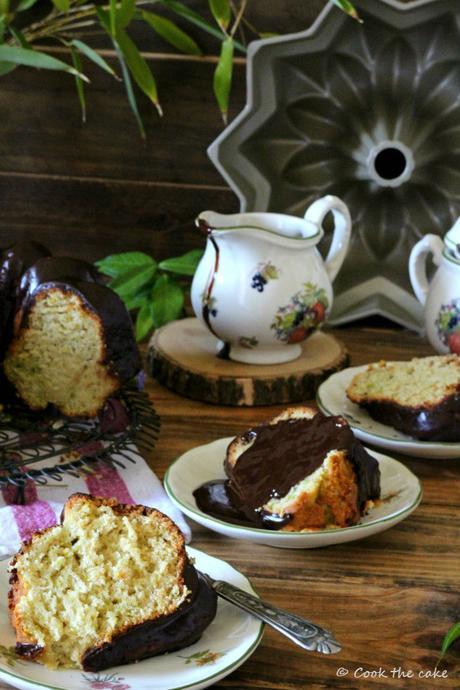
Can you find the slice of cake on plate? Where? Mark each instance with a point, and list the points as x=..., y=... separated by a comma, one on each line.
x=112, y=584
x=420, y=397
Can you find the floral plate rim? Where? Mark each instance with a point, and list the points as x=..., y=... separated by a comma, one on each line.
x=314, y=535
x=205, y=681
x=400, y=440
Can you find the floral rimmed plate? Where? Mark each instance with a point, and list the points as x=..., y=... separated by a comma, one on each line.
x=230, y=639
x=332, y=400
x=401, y=494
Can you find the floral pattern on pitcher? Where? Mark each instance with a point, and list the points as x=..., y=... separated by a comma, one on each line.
x=249, y=342
x=305, y=312
x=209, y=303
x=448, y=325
x=264, y=272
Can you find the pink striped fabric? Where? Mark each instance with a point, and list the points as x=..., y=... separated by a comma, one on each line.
x=31, y=516
x=108, y=483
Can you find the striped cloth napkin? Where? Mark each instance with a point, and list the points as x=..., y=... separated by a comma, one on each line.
x=42, y=505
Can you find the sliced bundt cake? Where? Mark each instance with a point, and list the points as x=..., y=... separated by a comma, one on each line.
x=73, y=343
x=112, y=584
x=420, y=397
x=300, y=471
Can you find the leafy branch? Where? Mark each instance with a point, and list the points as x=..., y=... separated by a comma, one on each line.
x=155, y=290
x=68, y=21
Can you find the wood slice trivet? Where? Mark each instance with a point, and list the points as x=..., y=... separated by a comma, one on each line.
x=182, y=356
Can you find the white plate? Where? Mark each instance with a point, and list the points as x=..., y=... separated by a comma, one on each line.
x=401, y=491
x=332, y=400
x=226, y=644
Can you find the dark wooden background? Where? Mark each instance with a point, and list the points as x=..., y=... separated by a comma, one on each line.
x=95, y=188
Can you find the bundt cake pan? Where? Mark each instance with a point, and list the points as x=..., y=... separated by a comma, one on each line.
x=369, y=112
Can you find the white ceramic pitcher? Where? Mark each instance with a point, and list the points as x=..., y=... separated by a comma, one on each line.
x=262, y=286
x=441, y=296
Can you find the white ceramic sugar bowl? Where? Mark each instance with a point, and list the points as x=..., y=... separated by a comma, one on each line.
x=441, y=296
x=262, y=287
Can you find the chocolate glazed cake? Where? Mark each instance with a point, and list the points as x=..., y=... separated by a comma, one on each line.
x=420, y=397
x=69, y=341
x=299, y=471
x=124, y=589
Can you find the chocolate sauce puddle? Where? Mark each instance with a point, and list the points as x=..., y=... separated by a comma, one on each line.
x=280, y=456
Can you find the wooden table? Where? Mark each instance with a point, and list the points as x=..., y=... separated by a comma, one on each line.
x=389, y=598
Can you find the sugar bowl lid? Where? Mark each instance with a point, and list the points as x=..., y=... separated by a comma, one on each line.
x=452, y=241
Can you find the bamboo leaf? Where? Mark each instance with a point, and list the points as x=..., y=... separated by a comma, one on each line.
x=144, y=320
x=125, y=13
x=92, y=55
x=223, y=77
x=62, y=5
x=222, y=13
x=185, y=265
x=19, y=37
x=78, y=82
x=24, y=5
x=113, y=17
x=35, y=58
x=129, y=90
x=194, y=18
x=167, y=300
x=347, y=7
x=139, y=68
x=171, y=33
x=450, y=637
x=115, y=265
x=6, y=67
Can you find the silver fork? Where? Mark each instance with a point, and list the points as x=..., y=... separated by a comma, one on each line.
x=301, y=631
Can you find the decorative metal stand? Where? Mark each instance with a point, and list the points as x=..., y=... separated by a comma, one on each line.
x=42, y=446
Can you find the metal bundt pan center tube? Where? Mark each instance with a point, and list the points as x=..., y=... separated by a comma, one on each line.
x=369, y=112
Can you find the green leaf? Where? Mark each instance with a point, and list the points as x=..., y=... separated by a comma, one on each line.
x=222, y=12
x=167, y=300
x=62, y=5
x=347, y=7
x=129, y=90
x=194, y=18
x=117, y=264
x=127, y=284
x=78, y=82
x=35, y=58
x=223, y=77
x=125, y=13
x=267, y=34
x=6, y=67
x=93, y=56
x=19, y=37
x=171, y=33
x=25, y=5
x=144, y=321
x=139, y=68
x=450, y=637
x=113, y=17
x=137, y=301
x=184, y=265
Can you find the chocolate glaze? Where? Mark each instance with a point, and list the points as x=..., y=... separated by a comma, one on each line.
x=167, y=634
x=280, y=456
x=438, y=423
x=122, y=355
x=13, y=262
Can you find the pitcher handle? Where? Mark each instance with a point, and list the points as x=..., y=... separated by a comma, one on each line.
x=430, y=244
x=342, y=230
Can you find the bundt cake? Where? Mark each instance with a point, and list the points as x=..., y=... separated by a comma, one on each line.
x=299, y=471
x=67, y=339
x=420, y=397
x=111, y=585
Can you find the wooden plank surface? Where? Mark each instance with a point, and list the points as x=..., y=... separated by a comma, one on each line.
x=389, y=598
